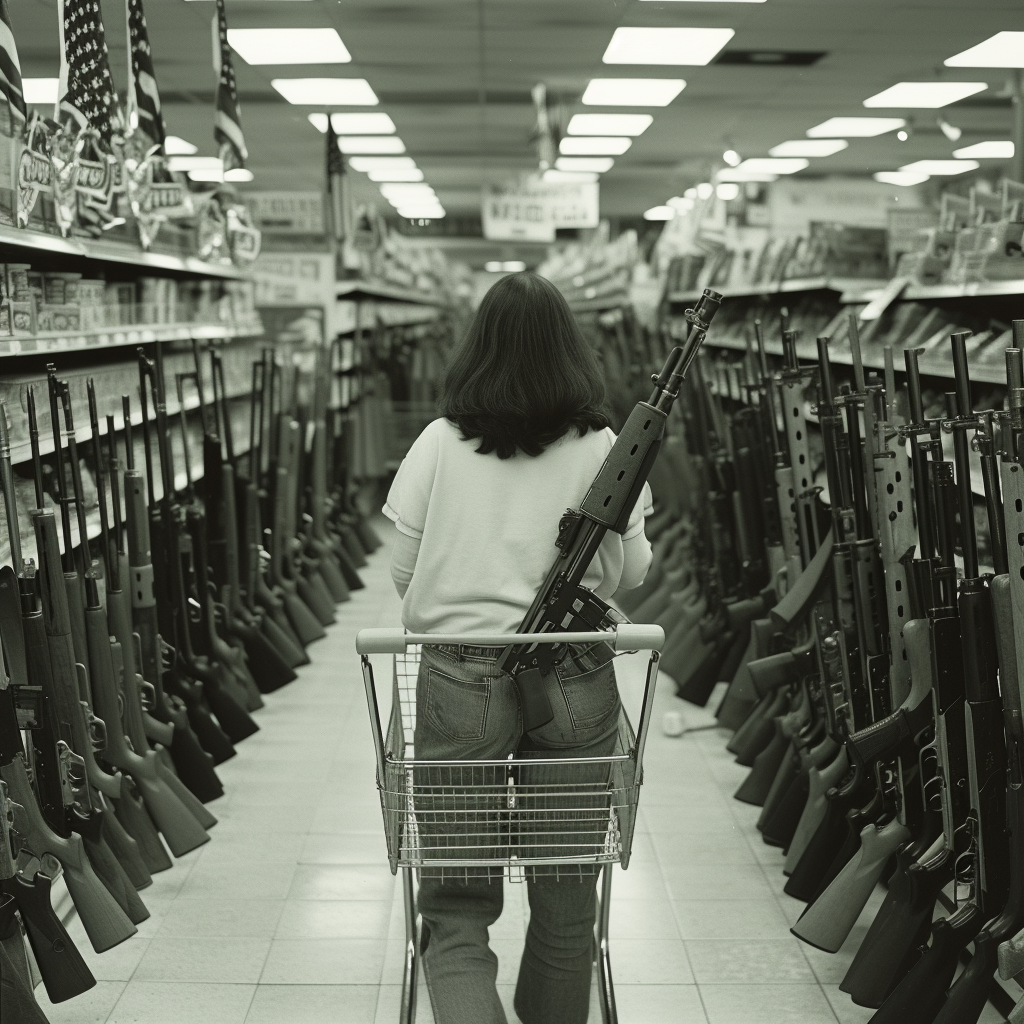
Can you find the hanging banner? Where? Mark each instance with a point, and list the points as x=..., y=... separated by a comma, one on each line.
x=531, y=210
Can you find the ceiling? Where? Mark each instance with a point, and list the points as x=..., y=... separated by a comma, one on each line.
x=455, y=75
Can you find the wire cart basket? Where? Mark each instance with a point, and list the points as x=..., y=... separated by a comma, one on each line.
x=517, y=817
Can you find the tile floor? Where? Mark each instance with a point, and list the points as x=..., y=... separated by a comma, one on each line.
x=290, y=914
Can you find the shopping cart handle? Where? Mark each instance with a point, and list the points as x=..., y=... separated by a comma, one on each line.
x=628, y=636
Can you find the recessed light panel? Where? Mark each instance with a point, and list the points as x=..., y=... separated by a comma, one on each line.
x=995, y=150
x=659, y=213
x=370, y=144
x=396, y=174
x=772, y=165
x=408, y=192
x=381, y=163
x=697, y=46
x=854, y=127
x=1003, y=50
x=238, y=174
x=174, y=146
x=902, y=178
x=609, y=124
x=941, y=166
x=585, y=163
x=288, y=45
x=924, y=94
x=40, y=90
x=326, y=92
x=738, y=174
x=632, y=92
x=421, y=212
x=600, y=145
x=354, y=124
x=561, y=177
x=809, y=147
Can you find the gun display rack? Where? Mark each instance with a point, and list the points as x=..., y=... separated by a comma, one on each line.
x=141, y=667
x=867, y=611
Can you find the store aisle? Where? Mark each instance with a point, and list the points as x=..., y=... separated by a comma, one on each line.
x=290, y=914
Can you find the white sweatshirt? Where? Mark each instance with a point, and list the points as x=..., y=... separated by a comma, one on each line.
x=477, y=533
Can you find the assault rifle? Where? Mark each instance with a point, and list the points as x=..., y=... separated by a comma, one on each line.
x=180, y=828
x=171, y=720
x=563, y=603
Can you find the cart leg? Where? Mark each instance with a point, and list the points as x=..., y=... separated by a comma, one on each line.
x=604, y=964
x=410, y=977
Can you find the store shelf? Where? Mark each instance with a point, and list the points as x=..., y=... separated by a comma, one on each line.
x=357, y=291
x=114, y=381
x=112, y=252
x=846, y=285
x=982, y=372
x=114, y=337
x=597, y=303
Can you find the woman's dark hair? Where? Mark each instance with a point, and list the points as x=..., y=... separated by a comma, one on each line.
x=524, y=375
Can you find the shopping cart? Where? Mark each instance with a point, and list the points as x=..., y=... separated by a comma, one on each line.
x=521, y=815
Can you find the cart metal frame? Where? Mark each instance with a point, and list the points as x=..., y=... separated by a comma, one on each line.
x=465, y=818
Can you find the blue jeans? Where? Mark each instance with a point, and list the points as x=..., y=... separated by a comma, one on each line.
x=467, y=710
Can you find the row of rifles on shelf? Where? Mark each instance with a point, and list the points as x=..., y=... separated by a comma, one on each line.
x=131, y=670
x=875, y=669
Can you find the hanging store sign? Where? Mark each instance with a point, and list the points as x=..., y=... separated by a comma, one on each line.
x=531, y=210
x=287, y=213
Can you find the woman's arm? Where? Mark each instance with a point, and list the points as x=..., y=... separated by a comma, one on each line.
x=403, y=561
x=636, y=560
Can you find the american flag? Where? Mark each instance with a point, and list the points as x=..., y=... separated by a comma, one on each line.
x=227, y=118
x=10, y=68
x=86, y=94
x=143, y=95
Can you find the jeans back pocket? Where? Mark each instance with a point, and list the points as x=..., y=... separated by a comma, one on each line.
x=591, y=697
x=457, y=708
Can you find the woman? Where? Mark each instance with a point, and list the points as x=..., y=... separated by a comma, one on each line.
x=477, y=503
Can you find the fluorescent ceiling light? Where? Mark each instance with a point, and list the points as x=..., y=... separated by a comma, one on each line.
x=175, y=146
x=705, y=190
x=941, y=166
x=632, y=92
x=207, y=174
x=354, y=124
x=194, y=163
x=659, y=213
x=397, y=174
x=924, y=94
x=600, y=145
x=697, y=46
x=370, y=144
x=712, y=1
x=681, y=204
x=326, y=92
x=406, y=190
x=809, y=147
x=732, y=158
x=421, y=212
x=504, y=266
x=381, y=163
x=238, y=174
x=609, y=124
x=736, y=174
x=728, y=191
x=1003, y=50
x=585, y=163
x=903, y=178
x=40, y=90
x=562, y=177
x=854, y=127
x=772, y=165
x=289, y=45
x=986, y=150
